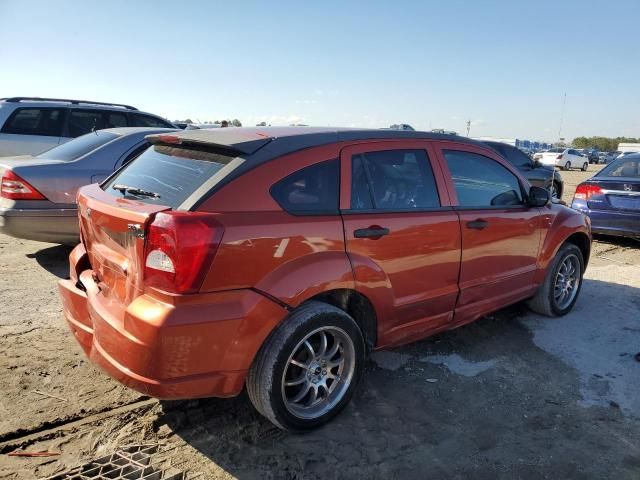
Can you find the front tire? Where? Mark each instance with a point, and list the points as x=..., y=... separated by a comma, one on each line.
x=585, y=166
x=558, y=293
x=567, y=166
x=307, y=370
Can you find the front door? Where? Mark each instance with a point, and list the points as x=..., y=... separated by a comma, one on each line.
x=402, y=237
x=500, y=232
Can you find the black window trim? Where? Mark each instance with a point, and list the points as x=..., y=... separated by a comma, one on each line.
x=310, y=213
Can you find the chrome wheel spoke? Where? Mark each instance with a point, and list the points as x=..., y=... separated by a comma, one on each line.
x=298, y=364
x=301, y=379
x=302, y=393
x=323, y=344
x=309, y=348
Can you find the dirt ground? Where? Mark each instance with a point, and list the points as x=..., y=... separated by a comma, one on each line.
x=513, y=396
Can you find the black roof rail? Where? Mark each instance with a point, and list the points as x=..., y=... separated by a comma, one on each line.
x=67, y=100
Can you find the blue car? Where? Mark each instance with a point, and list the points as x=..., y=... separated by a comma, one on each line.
x=611, y=198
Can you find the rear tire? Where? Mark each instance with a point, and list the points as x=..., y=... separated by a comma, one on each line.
x=567, y=166
x=307, y=370
x=558, y=293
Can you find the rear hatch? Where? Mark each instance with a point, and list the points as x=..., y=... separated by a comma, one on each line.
x=116, y=217
x=550, y=158
x=617, y=193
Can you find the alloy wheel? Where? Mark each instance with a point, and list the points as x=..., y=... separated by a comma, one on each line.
x=567, y=281
x=318, y=373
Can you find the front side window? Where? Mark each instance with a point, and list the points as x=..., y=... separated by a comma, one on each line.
x=392, y=180
x=312, y=190
x=140, y=120
x=35, y=121
x=84, y=121
x=481, y=182
x=515, y=156
x=114, y=120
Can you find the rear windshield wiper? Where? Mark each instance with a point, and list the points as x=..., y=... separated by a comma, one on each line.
x=134, y=191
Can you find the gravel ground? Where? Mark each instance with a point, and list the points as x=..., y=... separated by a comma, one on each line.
x=513, y=395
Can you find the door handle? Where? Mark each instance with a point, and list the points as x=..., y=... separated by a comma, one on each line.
x=374, y=232
x=478, y=224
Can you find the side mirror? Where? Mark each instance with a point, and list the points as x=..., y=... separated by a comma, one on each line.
x=538, y=197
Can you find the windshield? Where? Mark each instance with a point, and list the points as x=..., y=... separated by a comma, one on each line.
x=623, y=167
x=168, y=175
x=78, y=147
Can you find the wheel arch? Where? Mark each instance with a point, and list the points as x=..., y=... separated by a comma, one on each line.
x=358, y=306
x=581, y=240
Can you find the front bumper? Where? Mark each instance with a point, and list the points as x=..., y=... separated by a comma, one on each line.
x=42, y=225
x=184, y=346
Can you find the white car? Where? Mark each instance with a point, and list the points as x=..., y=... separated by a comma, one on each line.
x=565, y=158
x=31, y=125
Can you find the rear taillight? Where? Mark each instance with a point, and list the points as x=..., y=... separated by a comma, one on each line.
x=179, y=249
x=559, y=157
x=585, y=191
x=16, y=188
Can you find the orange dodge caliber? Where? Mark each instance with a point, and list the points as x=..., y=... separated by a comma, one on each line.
x=276, y=258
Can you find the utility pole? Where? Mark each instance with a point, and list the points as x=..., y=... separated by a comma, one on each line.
x=468, y=127
x=564, y=101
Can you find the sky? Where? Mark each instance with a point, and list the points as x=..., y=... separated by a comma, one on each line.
x=503, y=65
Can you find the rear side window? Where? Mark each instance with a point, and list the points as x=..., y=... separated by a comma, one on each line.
x=310, y=191
x=482, y=182
x=173, y=173
x=78, y=147
x=35, y=121
x=84, y=121
x=393, y=180
x=139, y=120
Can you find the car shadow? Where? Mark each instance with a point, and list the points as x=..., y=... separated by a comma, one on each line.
x=625, y=242
x=54, y=259
x=487, y=400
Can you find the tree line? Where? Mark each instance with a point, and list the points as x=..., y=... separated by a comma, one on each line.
x=604, y=144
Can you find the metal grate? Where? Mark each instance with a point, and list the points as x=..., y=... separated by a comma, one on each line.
x=128, y=463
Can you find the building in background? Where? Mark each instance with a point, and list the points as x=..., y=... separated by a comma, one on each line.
x=527, y=145
x=629, y=147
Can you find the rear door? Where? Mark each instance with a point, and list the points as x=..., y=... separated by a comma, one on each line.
x=31, y=130
x=402, y=236
x=500, y=232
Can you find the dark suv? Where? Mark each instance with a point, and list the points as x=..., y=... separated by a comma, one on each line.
x=537, y=174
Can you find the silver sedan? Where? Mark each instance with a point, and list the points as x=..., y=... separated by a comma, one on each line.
x=38, y=194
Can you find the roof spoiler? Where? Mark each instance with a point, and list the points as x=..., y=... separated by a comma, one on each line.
x=231, y=140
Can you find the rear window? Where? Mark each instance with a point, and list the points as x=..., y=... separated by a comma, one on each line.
x=625, y=167
x=78, y=147
x=35, y=121
x=556, y=150
x=172, y=173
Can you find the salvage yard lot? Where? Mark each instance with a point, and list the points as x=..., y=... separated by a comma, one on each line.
x=514, y=395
